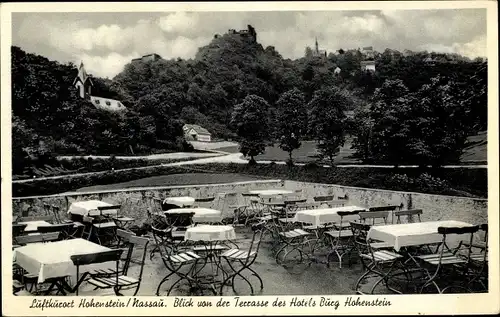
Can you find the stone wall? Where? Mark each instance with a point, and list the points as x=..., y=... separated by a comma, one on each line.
x=435, y=207
x=136, y=201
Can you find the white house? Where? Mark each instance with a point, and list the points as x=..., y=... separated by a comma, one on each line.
x=368, y=66
x=196, y=133
x=84, y=85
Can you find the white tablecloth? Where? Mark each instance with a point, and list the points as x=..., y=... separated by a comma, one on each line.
x=89, y=208
x=271, y=192
x=210, y=233
x=319, y=217
x=200, y=214
x=33, y=225
x=52, y=259
x=183, y=201
x=412, y=234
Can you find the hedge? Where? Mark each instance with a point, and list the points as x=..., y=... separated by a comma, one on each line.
x=455, y=182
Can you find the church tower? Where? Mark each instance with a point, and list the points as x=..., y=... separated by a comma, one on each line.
x=83, y=83
x=317, y=46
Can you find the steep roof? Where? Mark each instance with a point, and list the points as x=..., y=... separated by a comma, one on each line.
x=107, y=104
x=198, y=129
x=82, y=75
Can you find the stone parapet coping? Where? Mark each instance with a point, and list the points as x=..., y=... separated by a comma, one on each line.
x=133, y=189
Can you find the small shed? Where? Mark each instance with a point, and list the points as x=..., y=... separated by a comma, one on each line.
x=195, y=132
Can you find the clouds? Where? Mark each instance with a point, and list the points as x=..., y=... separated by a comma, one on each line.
x=107, y=41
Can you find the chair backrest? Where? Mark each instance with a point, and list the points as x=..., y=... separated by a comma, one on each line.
x=335, y=203
x=106, y=208
x=123, y=237
x=410, y=215
x=249, y=195
x=384, y=208
x=323, y=198
x=156, y=204
x=345, y=197
x=64, y=229
x=166, y=246
x=136, y=242
x=374, y=216
x=204, y=199
x=360, y=231
x=180, y=220
x=158, y=220
x=166, y=206
x=306, y=206
x=37, y=238
x=467, y=248
x=36, y=218
x=294, y=201
x=99, y=257
x=258, y=230
x=18, y=229
x=76, y=230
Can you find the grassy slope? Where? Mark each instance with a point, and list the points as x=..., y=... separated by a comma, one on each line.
x=176, y=179
x=475, y=151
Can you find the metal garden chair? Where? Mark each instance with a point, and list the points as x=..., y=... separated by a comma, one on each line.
x=178, y=259
x=123, y=280
x=449, y=268
x=378, y=264
x=245, y=259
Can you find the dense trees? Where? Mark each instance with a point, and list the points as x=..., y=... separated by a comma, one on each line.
x=427, y=127
x=251, y=122
x=291, y=121
x=401, y=97
x=327, y=120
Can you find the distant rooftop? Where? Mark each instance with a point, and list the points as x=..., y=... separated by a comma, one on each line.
x=107, y=104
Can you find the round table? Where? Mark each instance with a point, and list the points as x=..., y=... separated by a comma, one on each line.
x=181, y=201
x=210, y=233
x=211, y=236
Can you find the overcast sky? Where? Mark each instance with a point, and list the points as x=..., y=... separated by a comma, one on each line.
x=105, y=42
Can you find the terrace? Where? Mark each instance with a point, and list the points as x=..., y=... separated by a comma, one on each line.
x=313, y=271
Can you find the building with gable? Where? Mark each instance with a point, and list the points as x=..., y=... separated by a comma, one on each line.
x=147, y=58
x=84, y=84
x=195, y=132
x=317, y=52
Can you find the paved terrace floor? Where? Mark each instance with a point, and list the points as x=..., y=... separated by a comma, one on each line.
x=314, y=280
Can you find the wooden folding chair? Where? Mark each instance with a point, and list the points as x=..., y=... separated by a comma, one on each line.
x=323, y=199
x=36, y=218
x=179, y=222
x=17, y=230
x=449, y=268
x=341, y=238
x=175, y=257
x=205, y=202
x=376, y=217
x=66, y=230
x=379, y=264
x=123, y=281
x=245, y=259
x=95, y=258
x=335, y=203
x=37, y=238
x=409, y=214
